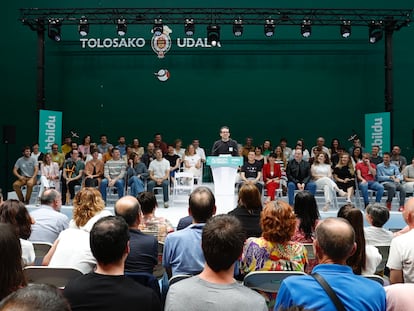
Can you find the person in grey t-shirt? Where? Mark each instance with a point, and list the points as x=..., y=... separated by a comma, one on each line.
x=215, y=288
x=25, y=170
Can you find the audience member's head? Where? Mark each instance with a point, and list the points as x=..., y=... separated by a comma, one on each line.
x=15, y=213
x=306, y=210
x=35, y=297
x=355, y=218
x=109, y=240
x=278, y=221
x=408, y=213
x=249, y=197
x=222, y=242
x=335, y=240
x=148, y=202
x=202, y=204
x=87, y=203
x=129, y=209
x=11, y=273
x=377, y=214
x=52, y=198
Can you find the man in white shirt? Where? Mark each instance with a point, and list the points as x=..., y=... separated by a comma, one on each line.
x=377, y=215
x=200, y=151
x=400, y=260
x=159, y=170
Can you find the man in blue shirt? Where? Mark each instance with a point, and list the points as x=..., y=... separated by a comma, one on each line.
x=388, y=174
x=182, y=249
x=334, y=243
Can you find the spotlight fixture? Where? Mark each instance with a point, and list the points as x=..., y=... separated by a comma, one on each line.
x=213, y=35
x=306, y=28
x=189, y=27
x=375, y=32
x=54, y=29
x=157, y=29
x=238, y=27
x=121, y=27
x=345, y=29
x=269, y=27
x=83, y=27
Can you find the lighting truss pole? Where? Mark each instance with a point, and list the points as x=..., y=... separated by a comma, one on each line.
x=40, y=66
x=388, y=65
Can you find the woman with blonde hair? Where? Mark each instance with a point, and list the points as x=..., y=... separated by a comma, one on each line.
x=248, y=209
x=71, y=248
x=344, y=175
x=192, y=161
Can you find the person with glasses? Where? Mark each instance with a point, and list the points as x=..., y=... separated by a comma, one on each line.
x=225, y=145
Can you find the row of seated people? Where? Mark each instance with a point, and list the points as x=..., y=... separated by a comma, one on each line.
x=276, y=248
x=112, y=173
x=343, y=178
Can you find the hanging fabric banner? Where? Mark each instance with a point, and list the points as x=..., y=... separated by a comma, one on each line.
x=377, y=131
x=50, y=129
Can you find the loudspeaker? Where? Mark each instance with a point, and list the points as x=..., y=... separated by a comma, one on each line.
x=9, y=134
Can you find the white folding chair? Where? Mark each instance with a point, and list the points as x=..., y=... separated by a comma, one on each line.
x=268, y=281
x=183, y=184
x=58, y=277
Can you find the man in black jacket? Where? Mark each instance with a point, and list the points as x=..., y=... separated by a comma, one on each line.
x=299, y=176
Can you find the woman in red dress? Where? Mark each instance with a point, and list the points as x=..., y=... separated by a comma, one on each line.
x=271, y=176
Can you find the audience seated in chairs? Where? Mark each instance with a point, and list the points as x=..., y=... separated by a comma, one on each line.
x=377, y=215
x=366, y=258
x=71, y=249
x=251, y=172
x=215, y=288
x=25, y=169
x=114, y=173
x=50, y=175
x=366, y=173
x=179, y=244
x=15, y=213
x=408, y=173
x=107, y=288
x=11, y=273
x=344, y=176
x=334, y=243
x=94, y=170
x=159, y=173
x=137, y=174
x=192, y=162
x=159, y=226
x=249, y=207
x=143, y=254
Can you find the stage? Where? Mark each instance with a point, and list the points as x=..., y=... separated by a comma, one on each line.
x=178, y=208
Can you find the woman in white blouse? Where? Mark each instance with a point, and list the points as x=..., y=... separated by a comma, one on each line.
x=192, y=161
x=50, y=174
x=322, y=175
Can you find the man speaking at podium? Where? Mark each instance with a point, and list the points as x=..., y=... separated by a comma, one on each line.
x=225, y=145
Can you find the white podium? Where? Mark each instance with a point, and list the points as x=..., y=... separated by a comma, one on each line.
x=224, y=168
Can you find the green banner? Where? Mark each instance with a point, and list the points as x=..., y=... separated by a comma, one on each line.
x=377, y=131
x=50, y=129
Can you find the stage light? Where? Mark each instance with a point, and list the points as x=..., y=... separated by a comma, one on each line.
x=54, y=29
x=345, y=29
x=121, y=27
x=238, y=27
x=375, y=32
x=189, y=27
x=269, y=27
x=83, y=27
x=306, y=28
x=157, y=29
x=213, y=35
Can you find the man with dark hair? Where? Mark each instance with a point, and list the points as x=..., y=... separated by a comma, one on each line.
x=144, y=248
x=114, y=172
x=35, y=297
x=377, y=215
x=25, y=169
x=158, y=143
x=72, y=175
x=390, y=177
x=225, y=145
x=375, y=157
x=182, y=250
x=107, y=288
x=159, y=174
x=104, y=145
x=334, y=243
x=366, y=173
x=215, y=288
x=49, y=222
x=158, y=226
